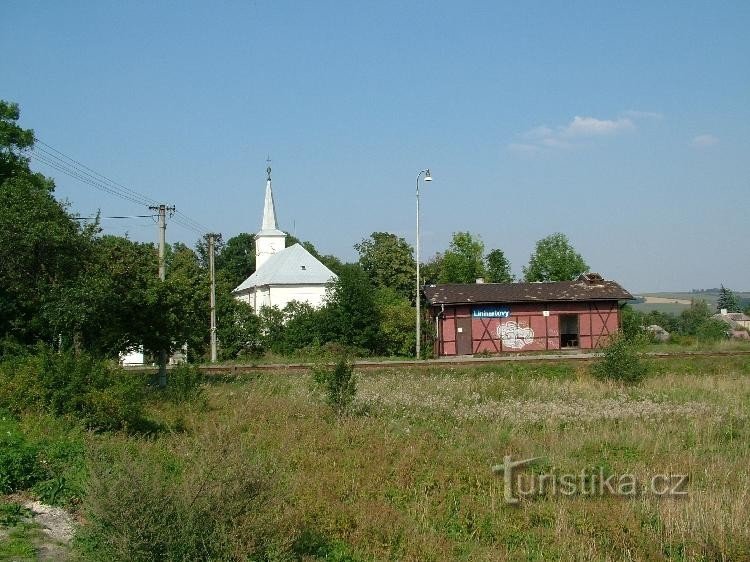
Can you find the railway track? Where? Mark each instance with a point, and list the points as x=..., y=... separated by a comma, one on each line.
x=363, y=365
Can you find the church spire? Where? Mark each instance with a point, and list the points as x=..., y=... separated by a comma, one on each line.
x=269, y=209
x=270, y=240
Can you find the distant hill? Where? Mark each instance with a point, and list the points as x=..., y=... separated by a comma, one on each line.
x=676, y=302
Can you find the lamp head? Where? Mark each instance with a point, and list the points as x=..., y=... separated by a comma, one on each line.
x=427, y=176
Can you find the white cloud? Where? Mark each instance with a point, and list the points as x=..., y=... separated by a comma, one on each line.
x=705, y=140
x=569, y=135
x=591, y=126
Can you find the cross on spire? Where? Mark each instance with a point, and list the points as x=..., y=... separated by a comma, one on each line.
x=268, y=169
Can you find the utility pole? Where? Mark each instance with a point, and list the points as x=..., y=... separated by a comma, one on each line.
x=211, y=248
x=162, y=209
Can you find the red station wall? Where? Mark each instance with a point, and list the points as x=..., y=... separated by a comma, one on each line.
x=596, y=322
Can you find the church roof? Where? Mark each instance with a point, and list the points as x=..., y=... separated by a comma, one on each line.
x=291, y=266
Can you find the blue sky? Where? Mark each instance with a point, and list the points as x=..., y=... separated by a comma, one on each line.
x=623, y=125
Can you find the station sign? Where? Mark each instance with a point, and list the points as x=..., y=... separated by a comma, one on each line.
x=490, y=312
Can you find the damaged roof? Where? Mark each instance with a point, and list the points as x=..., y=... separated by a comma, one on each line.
x=589, y=287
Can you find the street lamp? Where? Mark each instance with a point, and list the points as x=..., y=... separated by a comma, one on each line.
x=427, y=177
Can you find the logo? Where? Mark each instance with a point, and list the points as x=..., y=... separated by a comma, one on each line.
x=593, y=482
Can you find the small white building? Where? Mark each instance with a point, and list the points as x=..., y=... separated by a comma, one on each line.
x=282, y=274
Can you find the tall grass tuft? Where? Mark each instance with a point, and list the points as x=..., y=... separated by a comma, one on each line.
x=339, y=384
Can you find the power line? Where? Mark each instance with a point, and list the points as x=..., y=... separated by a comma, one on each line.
x=73, y=174
x=69, y=166
x=94, y=172
x=117, y=217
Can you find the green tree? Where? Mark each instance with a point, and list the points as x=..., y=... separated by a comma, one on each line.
x=389, y=261
x=351, y=315
x=396, y=323
x=104, y=309
x=14, y=140
x=554, y=259
x=41, y=247
x=429, y=272
x=727, y=299
x=498, y=267
x=236, y=258
x=691, y=320
x=463, y=261
x=237, y=327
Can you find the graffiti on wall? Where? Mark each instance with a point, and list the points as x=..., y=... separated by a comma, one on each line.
x=515, y=335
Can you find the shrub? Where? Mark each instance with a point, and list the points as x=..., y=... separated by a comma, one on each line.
x=184, y=383
x=339, y=384
x=100, y=394
x=18, y=458
x=209, y=498
x=621, y=362
x=712, y=330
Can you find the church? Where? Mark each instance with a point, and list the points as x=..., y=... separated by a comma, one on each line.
x=282, y=274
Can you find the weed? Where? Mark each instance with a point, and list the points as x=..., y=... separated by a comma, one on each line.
x=339, y=383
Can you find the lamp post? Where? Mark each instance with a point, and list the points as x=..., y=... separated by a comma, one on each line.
x=427, y=177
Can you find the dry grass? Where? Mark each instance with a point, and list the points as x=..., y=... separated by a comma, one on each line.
x=407, y=477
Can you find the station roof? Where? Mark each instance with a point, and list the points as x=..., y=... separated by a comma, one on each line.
x=588, y=287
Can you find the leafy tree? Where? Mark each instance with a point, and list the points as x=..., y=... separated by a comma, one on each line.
x=389, y=261
x=351, y=314
x=185, y=316
x=554, y=259
x=694, y=317
x=238, y=328
x=463, y=261
x=236, y=258
x=104, y=309
x=727, y=299
x=498, y=267
x=712, y=330
x=14, y=140
x=429, y=272
x=302, y=325
x=41, y=247
x=396, y=322
x=272, y=328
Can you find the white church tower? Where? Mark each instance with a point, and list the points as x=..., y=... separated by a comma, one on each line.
x=270, y=240
x=282, y=275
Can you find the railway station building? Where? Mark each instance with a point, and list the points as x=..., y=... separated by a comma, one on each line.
x=515, y=317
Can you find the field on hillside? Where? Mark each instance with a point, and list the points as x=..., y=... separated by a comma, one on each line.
x=408, y=475
x=676, y=302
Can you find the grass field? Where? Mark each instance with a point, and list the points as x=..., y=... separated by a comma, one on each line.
x=408, y=475
x=260, y=468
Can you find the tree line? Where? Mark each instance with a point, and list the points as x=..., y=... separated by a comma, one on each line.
x=67, y=284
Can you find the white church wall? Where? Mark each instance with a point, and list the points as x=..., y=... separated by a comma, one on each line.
x=314, y=295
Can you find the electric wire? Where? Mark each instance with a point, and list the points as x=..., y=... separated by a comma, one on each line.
x=58, y=160
x=94, y=172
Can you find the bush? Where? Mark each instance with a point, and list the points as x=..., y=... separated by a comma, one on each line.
x=621, y=362
x=39, y=454
x=19, y=469
x=339, y=384
x=712, y=330
x=184, y=383
x=101, y=395
x=209, y=498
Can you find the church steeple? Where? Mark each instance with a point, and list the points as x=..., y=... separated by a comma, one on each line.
x=270, y=239
x=269, y=209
